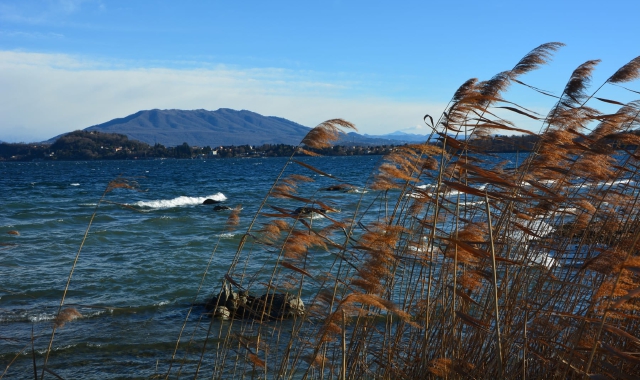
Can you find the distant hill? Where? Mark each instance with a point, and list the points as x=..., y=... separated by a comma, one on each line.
x=403, y=136
x=223, y=127
x=202, y=127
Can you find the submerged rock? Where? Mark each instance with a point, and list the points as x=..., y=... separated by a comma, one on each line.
x=305, y=211
x=229, y=304
x=222, y=312
x=345, y=188
x=210, y=201
x=221, y=208
x=281, y=305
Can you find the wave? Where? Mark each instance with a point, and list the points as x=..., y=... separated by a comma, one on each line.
x=179, y=201
x=75, y=184
x=617, y=182
x=39, y=315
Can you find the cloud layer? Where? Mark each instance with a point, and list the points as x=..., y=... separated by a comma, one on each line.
x=48, y=94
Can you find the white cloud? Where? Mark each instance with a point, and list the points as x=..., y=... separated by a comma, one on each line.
x=48, y=94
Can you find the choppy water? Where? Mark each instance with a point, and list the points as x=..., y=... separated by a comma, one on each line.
x=142, y=262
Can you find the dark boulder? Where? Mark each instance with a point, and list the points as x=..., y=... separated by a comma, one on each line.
x=221, y=208
x=210, y=201
x=229, y=304
x=224, y=304
x=307, y=211
x=280, y=305
x=343, y=187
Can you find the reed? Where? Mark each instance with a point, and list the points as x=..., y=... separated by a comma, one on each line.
x=527, y=271
x=453, y=265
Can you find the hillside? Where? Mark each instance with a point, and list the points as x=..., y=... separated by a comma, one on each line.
x=202, y=127
x=224, y=127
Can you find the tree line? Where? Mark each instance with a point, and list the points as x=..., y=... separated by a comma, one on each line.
x=93, y=145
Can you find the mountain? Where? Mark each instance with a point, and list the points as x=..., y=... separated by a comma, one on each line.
x=223, y=127
x=202, y=127
x=353, y=138
x=403, y=136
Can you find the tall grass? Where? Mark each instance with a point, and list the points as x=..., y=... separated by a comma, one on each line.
x=457, y=266
x=461, y=267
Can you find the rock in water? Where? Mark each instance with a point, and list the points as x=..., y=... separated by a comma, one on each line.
x=280, y=305
x=210, y=201
x=221, y=208
x=222, y=312
x=345, y=188
x=229, y=304
x=306, y=211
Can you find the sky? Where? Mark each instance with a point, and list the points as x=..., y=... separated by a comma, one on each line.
x=70, y=64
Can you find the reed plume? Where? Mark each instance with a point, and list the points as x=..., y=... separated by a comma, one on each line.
x=452, y=264
x=325, y=133
x=627, y=73
x=66, y=315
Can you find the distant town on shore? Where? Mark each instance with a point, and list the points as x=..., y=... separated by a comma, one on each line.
x=93, y=145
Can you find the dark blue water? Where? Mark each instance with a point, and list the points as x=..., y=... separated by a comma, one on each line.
x=142, y=262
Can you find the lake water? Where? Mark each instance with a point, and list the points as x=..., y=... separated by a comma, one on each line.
x=140, y=267
x=138, y=272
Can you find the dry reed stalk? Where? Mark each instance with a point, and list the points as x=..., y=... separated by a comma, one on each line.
x=232, y=222
x=414, y=281
x=118, y=183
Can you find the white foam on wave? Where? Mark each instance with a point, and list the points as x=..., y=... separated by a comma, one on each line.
x=75, y=184
x=617, y=182
x=179, y=201
x=35, y=317
x=162, y=303
x=40, y=317
x=61, y=348
x=226, y=235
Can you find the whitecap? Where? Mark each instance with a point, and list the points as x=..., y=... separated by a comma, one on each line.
x=93, y=313
x=226, y=235
x=617, y=182
x=61, y=348
x=545, y=260
x=41, y=317
x=75, y=184
x=162, y=303
x=179, y=201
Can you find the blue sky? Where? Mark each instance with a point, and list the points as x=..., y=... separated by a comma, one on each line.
x=70, y=64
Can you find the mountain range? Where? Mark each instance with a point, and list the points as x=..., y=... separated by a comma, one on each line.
x=225, y=127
